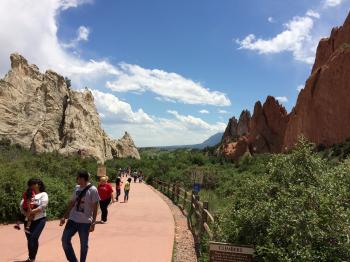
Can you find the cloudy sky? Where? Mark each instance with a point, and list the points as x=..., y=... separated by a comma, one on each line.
x=171, y=72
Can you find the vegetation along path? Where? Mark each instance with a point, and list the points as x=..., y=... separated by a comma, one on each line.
x=140, y=230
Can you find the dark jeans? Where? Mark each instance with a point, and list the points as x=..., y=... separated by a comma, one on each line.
x=126, y=195
x=104, y=209
x=70, y=230
x=118, y=194
x=35, y=229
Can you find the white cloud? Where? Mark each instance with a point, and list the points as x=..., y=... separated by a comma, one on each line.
x=332, y=3
x=148, y=130
x=179, y=130
x=282, y=99
x=296, y=38
x=166, y=85
x=116, y=111
x=300, y=87
x=271, y=20
x=65, y=4
x=33, y=33
x=162, y=132
x=223, y=112
x=203, y=111
x=192, y=122
x=82, y=35
x=165, y=99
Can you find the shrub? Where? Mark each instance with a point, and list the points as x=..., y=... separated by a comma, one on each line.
x=18, y=165
x=298, y=211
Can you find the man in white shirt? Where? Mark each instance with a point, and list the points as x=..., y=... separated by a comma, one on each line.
x=81, y=214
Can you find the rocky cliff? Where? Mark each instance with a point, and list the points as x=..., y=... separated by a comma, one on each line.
x=263, y=132
x=236, y=129
x=39, y=111
x=267, y=127
x=321, y=113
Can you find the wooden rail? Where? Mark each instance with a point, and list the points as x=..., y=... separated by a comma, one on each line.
x=198, y=217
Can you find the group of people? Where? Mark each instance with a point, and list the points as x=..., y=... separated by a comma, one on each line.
x=137, y=175
x=79, y=216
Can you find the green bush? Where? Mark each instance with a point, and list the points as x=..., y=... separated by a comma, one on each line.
x=298, y=211
x=18, y=165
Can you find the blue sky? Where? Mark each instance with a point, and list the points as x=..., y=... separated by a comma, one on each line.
x=172, y=72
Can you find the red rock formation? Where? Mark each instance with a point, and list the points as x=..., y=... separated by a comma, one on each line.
x=231, y=131
x=267, y=127
x=243, y=123
x=261, y=133
x=235, y=129
x=327, y=46
x=235, y=150
x=322, y=111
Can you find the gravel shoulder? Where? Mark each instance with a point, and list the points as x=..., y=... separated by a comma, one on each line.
x=184, y=242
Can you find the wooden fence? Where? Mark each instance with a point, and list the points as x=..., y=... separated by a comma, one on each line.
x=198, y=217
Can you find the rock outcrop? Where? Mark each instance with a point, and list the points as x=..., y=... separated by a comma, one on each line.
x=230, y=131
x=236, y=129
x=235, y=150
x=39, y=111
x=267, y=127
x=261, y=133
x=322, y=111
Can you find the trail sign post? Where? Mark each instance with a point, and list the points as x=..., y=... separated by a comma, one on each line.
x=197, y=179
x=101, y=171
x=223, y=252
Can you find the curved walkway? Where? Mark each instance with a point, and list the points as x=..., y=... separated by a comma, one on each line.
x=140, y=230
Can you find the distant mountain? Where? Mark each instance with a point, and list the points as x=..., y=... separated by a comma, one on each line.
x=211, y=141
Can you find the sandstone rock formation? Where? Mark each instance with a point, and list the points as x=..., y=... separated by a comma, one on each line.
x=231, y=130
x=235, y=150
x=39, y=111
x=261, y=133
x=236, y=129
x=267, y=127
x=322, y=111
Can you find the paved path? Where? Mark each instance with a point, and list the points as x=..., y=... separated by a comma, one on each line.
x=140, y=230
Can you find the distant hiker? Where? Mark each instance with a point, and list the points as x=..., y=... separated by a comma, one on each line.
x=105, y=191
x=38, y=199
x=81, y=213
x=140, y=177
x=135, y=176
x=127, y=189
x=118, y=185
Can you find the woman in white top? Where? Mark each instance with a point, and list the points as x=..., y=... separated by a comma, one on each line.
x=40, y=201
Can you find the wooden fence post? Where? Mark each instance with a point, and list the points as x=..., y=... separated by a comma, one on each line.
x=173, y=192
x=204, y=214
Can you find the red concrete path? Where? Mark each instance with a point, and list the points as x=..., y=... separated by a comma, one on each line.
x=140, y=230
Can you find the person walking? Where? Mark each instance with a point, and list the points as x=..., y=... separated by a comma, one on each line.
x=127, y=190
x=37, y=216
x=81, y=213
x=118, y=185
x=140, y=176
x=105, y=191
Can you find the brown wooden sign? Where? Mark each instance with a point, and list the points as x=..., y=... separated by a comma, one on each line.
x=223, y=252
x=101, y=171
